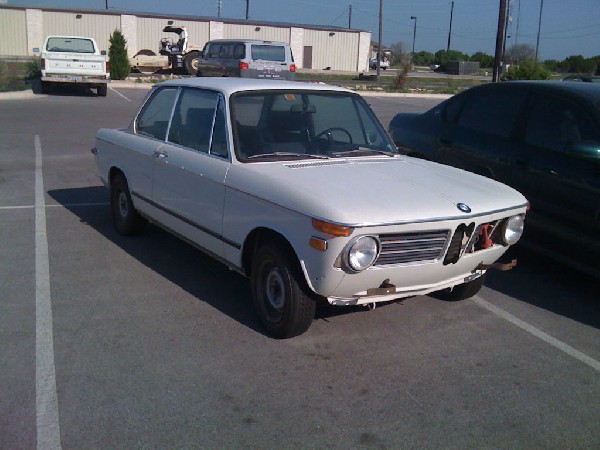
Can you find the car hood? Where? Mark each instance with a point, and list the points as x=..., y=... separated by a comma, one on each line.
x=373, y=190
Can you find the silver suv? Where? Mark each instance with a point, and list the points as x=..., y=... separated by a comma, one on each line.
x=247, y=59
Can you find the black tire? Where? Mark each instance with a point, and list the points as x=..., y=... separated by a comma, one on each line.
x=45, y=87
x=190, y=62
x=102, y=90
x=462, y=291
x=126, y=219
x=279, y=292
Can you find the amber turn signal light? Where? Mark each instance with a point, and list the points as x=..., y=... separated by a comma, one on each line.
x=331, y=228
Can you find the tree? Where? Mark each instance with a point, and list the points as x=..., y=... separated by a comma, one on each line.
x=117, y=56
x=520, y=52
x=484, y=59
x=443, y=56
x=397, y=50
x=526, y=70
x=423, y=58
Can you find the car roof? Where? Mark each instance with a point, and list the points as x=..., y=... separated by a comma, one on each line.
x=234, y=85
x=588, y=91
x=251, y=41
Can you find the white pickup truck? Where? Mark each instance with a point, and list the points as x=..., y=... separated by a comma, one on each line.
x=74, y=59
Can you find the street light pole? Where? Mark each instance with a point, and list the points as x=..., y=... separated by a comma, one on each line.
x=379, y=43
x=414, y=35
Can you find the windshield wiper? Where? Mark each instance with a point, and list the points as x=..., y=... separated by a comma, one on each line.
x=362, y=151
x=286, y=154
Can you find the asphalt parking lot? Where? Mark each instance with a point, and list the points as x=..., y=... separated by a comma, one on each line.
x=114, y=342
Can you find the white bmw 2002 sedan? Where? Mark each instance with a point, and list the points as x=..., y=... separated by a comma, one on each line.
x=298, y=187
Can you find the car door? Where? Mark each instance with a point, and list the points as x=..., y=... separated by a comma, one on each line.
x=141, y=147
x=554, y=171
x=481, y=139
x=189, y=176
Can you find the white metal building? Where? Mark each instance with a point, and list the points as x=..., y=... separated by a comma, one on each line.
x=314, y=47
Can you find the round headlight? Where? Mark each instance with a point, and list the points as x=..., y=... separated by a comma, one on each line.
x=363, y=253
x=513, y=229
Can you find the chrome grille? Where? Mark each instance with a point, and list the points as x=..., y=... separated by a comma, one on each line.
x=404, y=248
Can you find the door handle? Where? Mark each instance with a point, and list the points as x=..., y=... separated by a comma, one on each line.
x=160, y=154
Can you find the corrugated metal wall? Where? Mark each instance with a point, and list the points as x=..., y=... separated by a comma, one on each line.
x=335, y=49
x=13, y=32
x=149, y=32
x=98, y=26
x=265, y=33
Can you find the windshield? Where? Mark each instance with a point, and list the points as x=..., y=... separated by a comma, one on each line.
x=305, y=124
x=63, y=44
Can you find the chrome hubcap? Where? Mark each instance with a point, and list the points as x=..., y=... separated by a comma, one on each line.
x=123, y=207
x=275, y=289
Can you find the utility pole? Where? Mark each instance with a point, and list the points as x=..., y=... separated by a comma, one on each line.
x=506, y=22
x=379, y=43
x=537, y=44
x=499, y=34
x=219, y=4
x=349, y=16
x=247, y=8
x=450, y=31
x=106, y=4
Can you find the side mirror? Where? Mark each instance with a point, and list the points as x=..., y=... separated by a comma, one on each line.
x=103, y=52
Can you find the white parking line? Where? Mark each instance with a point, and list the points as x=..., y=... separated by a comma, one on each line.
x=118, y=93
x=46, y=398
x=538, y=333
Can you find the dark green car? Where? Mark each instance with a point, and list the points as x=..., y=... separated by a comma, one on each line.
x=540, y=137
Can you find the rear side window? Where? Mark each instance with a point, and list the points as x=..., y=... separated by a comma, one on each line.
x=153, y=120
x=268, y=52
x=494, y=113
x=193, y=119
x=558, y=124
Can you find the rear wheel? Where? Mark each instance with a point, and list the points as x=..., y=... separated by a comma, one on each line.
x=102, y=90
x=45, y=87
x=126, y=219
x=462, y=291
x=280, y=293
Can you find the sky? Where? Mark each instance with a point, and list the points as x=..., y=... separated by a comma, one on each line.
x=568, y=27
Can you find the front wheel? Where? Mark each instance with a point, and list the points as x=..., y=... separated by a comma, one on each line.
x=190, y=63
x=126, y=219
x=462, y=291
x=279, y=292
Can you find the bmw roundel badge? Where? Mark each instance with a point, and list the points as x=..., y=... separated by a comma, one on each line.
x=464, y=208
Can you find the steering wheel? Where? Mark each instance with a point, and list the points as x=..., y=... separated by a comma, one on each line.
x=328, y=132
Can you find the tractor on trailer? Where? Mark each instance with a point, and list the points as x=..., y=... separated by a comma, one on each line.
x=173, y=54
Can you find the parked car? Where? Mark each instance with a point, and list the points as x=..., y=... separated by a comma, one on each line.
x=384, y=63
x=247, y=59
x=542, y=138
x=298, y=187
x=584, y=78
x=69, y=60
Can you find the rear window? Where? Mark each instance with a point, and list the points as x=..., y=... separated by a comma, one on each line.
x=62, y=44
x=268, y=52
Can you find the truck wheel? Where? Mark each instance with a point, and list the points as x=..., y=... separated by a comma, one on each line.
x=462, y=291
x=126, y=219
x=45, y=87
x=102, y=90
x=190, y=62
x=278, y=291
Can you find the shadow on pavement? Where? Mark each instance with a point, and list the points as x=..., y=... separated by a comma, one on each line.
x=179, y=262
